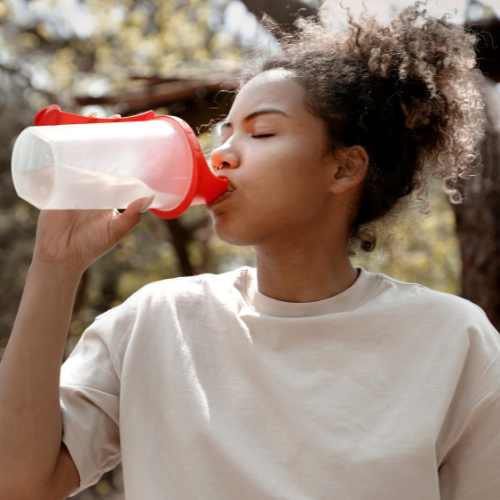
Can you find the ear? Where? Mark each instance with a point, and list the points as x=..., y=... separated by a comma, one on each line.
x=351, y=167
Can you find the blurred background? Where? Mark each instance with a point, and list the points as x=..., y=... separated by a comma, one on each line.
x=181, y=57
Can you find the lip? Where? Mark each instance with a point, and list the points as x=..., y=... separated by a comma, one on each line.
x=221, y=198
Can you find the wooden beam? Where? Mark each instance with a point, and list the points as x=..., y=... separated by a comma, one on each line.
x=163, y=93
x=284, y=12
x=198, y=101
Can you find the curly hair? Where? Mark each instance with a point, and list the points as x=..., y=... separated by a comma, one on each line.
x=408, y=92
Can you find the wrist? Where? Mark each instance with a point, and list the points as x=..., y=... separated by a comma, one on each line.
x=56, y=271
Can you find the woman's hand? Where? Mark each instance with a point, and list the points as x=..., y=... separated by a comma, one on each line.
x=76, y=238
x=79, y=237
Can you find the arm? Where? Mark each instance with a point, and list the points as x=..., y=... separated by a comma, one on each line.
x=33, y=461
x=30, y=420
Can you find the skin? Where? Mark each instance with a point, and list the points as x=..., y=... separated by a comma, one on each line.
x=293, y=200
x=289, y=197
x=33, y=461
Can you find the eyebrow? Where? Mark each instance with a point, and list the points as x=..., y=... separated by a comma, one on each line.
x=265, y=111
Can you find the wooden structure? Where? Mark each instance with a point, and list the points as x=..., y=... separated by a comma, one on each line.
x=195, y=100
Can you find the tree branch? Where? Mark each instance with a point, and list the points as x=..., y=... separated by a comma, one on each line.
x=284, y=12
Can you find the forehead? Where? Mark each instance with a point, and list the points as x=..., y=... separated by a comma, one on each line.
x=275, y=88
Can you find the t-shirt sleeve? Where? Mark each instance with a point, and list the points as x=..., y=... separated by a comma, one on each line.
x=90, y=396
x=471, y=468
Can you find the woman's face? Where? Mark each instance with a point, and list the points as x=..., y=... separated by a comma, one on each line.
x=274, y=154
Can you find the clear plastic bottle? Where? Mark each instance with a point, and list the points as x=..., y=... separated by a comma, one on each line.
x=109, y=165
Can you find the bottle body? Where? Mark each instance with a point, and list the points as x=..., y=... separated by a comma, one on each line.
x=103, y=165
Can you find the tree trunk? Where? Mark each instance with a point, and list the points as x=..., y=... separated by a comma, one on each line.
x=181, y=237
x=478, y=219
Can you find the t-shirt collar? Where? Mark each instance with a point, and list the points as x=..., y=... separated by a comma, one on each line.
x=348, y=300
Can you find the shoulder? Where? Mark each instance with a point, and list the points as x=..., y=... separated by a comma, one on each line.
x=419, y=305
x=194, y=289
x=437, y=322
x=419, y=297
x=164, y=311
x=186, y=293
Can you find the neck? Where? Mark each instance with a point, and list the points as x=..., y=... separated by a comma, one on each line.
x=304, y=273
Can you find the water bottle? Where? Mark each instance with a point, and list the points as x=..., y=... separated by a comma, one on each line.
x=69, y=161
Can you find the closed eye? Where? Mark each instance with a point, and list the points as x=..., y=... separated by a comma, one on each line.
x=262, y=136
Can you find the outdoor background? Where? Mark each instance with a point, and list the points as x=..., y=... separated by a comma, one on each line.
x=180, y=57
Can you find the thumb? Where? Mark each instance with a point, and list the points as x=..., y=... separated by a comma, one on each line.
x=121, y=224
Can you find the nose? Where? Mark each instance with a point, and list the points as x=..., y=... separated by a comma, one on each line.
x=225, y=157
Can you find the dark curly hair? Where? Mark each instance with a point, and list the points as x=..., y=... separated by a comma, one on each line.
x=408, y=92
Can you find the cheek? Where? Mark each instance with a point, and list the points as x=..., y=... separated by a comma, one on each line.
x=289, y=178
x=278, y=187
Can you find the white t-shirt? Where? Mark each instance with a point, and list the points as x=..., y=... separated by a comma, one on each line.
x=208, y=390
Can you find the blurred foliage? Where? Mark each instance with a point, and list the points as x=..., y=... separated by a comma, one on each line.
x=68, y=48
x=420, y=249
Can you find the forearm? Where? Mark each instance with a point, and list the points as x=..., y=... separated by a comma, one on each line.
x=30, y=421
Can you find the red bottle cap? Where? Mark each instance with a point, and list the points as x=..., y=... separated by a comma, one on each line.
x=204, y=187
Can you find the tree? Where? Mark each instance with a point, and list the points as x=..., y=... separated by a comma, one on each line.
x=478, y=219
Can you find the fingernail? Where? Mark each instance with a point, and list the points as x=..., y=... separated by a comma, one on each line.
x=116, y=116
x=146, y=204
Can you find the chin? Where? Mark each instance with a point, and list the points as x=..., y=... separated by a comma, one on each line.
x=234, y=234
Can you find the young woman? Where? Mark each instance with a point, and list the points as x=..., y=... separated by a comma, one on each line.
x=304, y=378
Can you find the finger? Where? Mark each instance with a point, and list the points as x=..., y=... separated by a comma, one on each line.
x=116, y=116
x=121, y=224
x=93, y=114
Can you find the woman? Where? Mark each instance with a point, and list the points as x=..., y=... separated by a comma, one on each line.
x=304, y=378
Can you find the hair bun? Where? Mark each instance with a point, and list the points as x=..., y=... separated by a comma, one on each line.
x=408, y=92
